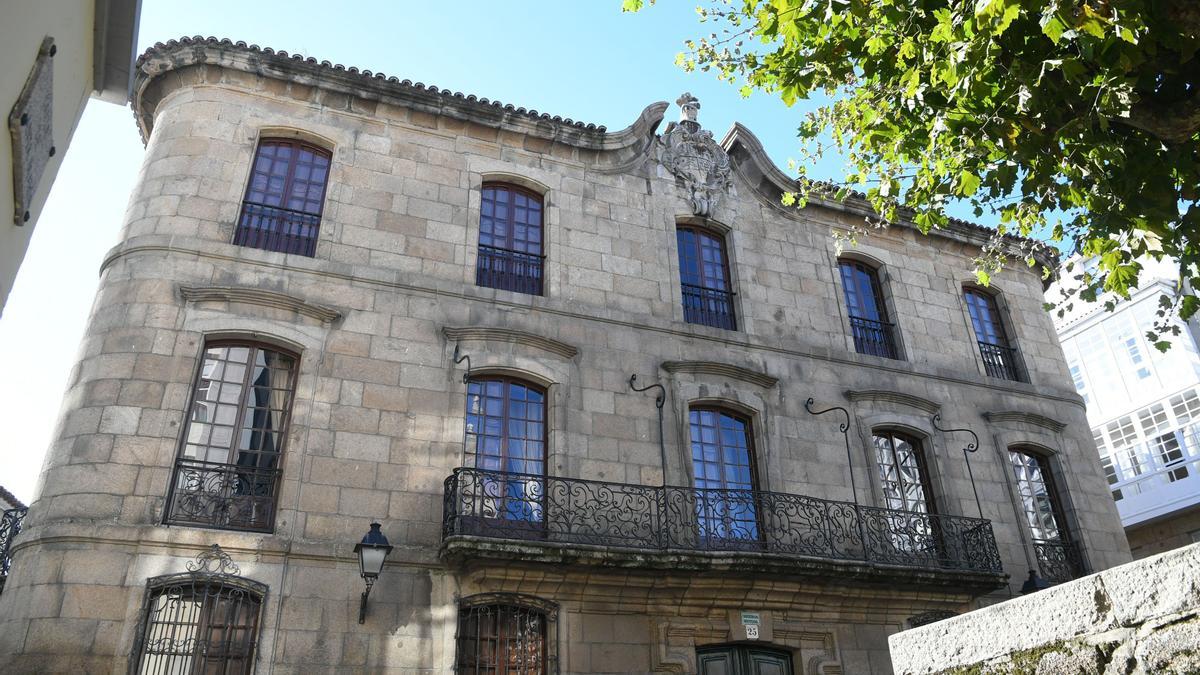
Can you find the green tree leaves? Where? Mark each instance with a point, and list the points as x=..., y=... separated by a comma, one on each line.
x=1073, y=120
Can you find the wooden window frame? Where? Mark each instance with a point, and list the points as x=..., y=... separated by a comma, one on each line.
x=1059, y=559
x=1050, y=480
x=875, y=337
x=752, y=461
x=700, y=316
x=524, y=514
x=170, y=515
x=509, y=380
x=271, y=238
x=1001, y=358
x=918, y=447
x=512, y=278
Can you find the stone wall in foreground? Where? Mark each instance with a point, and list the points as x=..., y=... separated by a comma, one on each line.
x=1143, y=617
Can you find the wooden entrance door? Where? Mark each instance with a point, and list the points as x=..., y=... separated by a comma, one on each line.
x=743, y=660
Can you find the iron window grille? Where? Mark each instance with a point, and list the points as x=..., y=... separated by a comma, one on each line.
x=510, y=240
x=1058, y=556
x=11, y=522
x=506, y=634
x=284, y=198
x=999, y=357
x=869, y=325
x=202, y=621
x=704, y=279
x=228, y=471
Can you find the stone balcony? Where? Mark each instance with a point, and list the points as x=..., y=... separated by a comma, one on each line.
x=502, y=516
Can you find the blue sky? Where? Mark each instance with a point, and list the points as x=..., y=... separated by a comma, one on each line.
x=580, y=59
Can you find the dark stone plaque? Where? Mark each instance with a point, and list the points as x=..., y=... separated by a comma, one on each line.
x=31, y=124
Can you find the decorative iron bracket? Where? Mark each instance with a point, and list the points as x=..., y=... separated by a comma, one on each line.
x=459, y=357
x=970, y=448
x=844, y=427
x=214, y=561
x=659, y=400
x=362, y=602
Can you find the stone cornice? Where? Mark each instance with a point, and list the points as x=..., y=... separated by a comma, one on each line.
x=770, y=182
x=721, y=370
x=899, y=398
x=257, y=296
x=128, y=251
x=492, y=334
x=177, y=55
x=1025, y=417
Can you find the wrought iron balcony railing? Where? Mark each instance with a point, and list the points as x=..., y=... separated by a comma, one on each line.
x=873, y=337
x=224, y=496
x=708, y=307
x=1058, y=561
x=514, y=506
x=1000, y=361
x=10, y=526
x=509, y=270
x=277, y=229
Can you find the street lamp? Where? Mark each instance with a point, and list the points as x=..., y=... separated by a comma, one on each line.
x=372, y=551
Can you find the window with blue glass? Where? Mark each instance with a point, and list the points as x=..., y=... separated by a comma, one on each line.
x=869, y=325
x=506, y=436
x=704, y=277
x=723, y=464
x=999, y=357
x=510, y=239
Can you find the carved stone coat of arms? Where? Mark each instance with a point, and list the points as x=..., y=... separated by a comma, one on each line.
x=696, y=158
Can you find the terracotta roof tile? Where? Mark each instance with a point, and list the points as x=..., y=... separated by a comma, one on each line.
x=199, y=40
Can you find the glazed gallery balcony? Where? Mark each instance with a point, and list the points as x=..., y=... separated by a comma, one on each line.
x=496, y=514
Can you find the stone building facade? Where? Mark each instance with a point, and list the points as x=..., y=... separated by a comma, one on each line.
x=441, y=321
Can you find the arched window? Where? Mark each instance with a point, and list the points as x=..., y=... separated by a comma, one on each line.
x=723, y=468
x=869, y=325
x=1042, y=505
x=999, y=357
x=506, y=441
x=704, y=277
x=199, y=623
x=510, y=239
x=903, y=475
x=284, y=197
x=228, y=469
x=506, y=634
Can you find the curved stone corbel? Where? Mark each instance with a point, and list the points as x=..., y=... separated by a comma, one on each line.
x=258, y=296
x=641, y=128
x=899, y=398
x=1027, y=418
x=512, y=336
x=721, y=370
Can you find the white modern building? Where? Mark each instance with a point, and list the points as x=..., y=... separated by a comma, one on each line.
x=1144, y=408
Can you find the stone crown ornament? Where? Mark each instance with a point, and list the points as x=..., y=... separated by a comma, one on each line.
x=695, y=158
